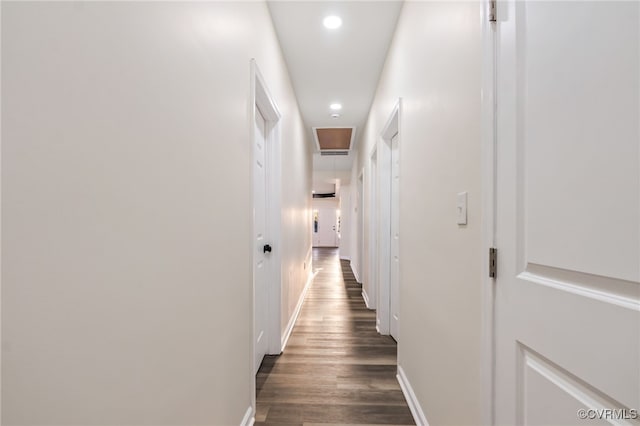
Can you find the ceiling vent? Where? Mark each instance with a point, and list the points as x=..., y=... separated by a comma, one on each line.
x=334, y=153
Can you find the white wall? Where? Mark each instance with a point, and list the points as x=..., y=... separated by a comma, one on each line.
x=333, y=176
x=325, y=203
x=434, y=64
x=126, y=204
x=297, y=170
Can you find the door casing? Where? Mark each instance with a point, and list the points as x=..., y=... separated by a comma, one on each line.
x=360, y=227
x=372, y=252
x=391, y=129
x=262, y=100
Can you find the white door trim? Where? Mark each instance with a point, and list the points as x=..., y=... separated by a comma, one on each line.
x=360, y=226
x=488, y=209
x=372, y=231
x=261, y=99
x=390, y=129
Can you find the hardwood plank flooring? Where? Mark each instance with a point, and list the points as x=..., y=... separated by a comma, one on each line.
x=336, y=368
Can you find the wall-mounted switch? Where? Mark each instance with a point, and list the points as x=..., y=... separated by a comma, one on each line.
x=462, y=208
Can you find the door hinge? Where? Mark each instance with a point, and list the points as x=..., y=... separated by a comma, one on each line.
x=492, y=10
x=493, y=262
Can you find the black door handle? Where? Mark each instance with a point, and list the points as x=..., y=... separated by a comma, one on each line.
x=266, y=248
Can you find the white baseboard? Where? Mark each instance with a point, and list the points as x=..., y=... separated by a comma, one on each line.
x=355, y=273
x=366, y=298
x=412, y=401
x=248, y=418
x=345, y=258
x=296, y=312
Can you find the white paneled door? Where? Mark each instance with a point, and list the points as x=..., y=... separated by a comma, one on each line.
x=325, y=227
x=261, y=256
x=394, y=281
x=567, y=301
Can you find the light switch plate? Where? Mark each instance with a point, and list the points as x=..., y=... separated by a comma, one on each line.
x=462, y=208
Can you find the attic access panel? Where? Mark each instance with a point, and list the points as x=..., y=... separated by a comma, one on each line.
x=334, y=138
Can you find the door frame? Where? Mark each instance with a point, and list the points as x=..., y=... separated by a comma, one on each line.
x=360, y=226
x=261, y=99
x=383, y=308
x=488, y=208
x=371, y=299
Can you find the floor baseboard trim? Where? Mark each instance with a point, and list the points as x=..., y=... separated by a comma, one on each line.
x=355, y=273
x=412, y=401
x=248, y=418
x=366, y=299
x=296, y=312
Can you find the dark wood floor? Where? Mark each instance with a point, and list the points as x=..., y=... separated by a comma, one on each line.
x=336, y=368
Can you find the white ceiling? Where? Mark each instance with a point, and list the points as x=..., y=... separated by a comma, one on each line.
x=341, y=65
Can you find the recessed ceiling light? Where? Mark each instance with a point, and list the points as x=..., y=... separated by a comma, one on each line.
x=335, y=107
x=335, y=115
x=332, y=22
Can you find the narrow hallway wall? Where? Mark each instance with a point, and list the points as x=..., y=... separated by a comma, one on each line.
x=434, y=65
x=126, y=209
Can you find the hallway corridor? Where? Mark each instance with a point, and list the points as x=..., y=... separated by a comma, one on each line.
x=336, y=368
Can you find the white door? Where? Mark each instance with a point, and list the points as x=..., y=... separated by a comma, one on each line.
x=325, y=228
x=567, y=302
x=394, y=281
x=260, y=227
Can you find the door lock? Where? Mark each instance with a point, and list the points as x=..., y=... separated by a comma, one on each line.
x=266, y=248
